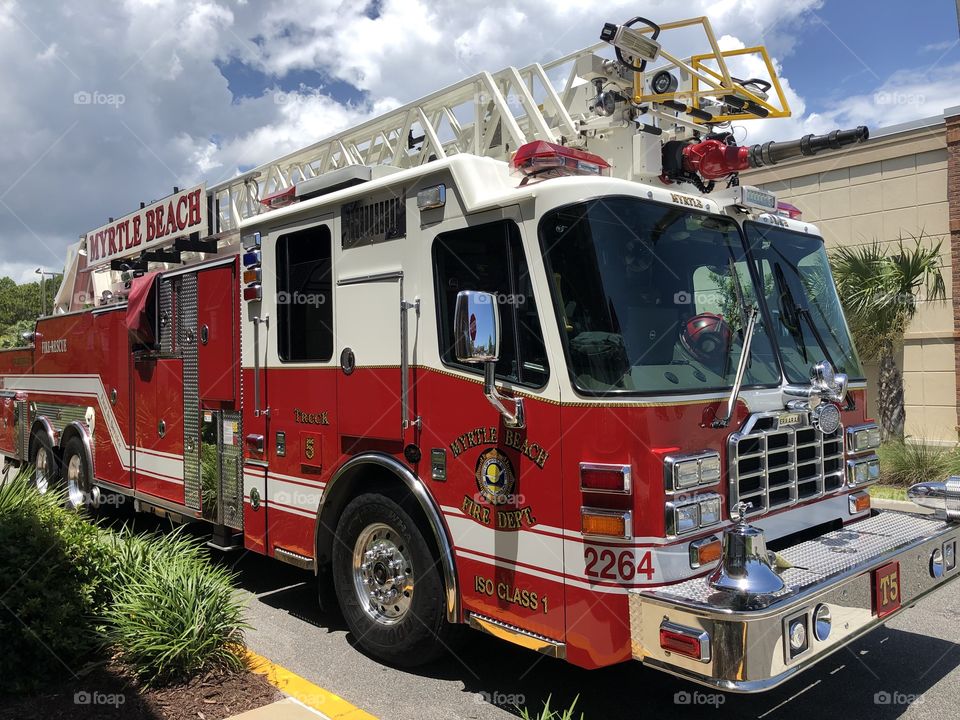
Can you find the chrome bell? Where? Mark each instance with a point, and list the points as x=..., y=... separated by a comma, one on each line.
x=746, y=568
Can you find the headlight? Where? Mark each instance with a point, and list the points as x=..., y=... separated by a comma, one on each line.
x=709, y=511
x=863, y=471
x=688, y=518
x=691, y=514
x=681, y=472
x=861, y=438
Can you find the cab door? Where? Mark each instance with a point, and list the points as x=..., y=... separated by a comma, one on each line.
x=499, y=485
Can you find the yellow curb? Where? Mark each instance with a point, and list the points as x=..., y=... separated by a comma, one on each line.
x=313, y=696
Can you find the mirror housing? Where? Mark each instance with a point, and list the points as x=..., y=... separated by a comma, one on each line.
x=476, y=327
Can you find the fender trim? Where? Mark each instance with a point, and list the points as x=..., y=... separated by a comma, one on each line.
x=80, y=429
x=417, y=488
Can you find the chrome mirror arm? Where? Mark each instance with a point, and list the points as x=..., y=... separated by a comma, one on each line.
x=515, y=418
x=723, y=422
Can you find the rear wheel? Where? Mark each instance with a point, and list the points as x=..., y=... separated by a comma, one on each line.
x=388, y=583
x=76, y=474
x=46, y=471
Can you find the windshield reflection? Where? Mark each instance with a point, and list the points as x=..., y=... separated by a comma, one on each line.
x=652, y=298
x=802, y=298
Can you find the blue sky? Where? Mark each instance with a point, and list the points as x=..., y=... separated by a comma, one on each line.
x=848, y=47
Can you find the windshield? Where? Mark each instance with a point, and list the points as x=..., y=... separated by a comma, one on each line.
x=803, y=302
x=650, y=298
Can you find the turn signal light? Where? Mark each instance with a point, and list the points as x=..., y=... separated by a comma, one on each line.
x=606, y=523
x=859, y=502
x=705, y=551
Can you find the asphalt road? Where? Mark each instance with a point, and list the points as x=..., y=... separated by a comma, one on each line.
x=908, y=669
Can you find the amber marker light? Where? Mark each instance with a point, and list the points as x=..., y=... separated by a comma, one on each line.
x=605, y=523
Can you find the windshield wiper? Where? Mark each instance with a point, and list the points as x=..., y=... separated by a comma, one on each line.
x=752, y=315
x=798, y=315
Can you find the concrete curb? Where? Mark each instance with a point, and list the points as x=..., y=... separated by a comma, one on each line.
x=305, y=700
x=899, y=506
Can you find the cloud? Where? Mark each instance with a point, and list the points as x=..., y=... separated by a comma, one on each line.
x=116, y=101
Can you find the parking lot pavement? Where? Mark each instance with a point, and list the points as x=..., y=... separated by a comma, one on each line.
x=908, y=669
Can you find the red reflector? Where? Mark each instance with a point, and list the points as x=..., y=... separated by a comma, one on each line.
x=280, y=199
x=679, y=643
x=605, y=478
x=546, y=159
x=252, y=293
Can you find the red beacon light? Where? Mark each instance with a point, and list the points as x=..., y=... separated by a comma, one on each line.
x=545, y=160
x=785, y=209
x=280, y=199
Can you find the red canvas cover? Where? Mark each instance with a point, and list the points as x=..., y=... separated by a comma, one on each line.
x=139, y=323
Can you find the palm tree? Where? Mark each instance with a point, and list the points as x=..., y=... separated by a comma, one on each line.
x=879, y=290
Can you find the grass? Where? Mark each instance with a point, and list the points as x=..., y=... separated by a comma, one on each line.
x=904, y=463
x=888, y=492
x=546, y=713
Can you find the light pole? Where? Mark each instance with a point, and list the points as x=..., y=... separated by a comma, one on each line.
x=43, y=288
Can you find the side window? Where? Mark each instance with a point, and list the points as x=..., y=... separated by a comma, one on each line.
x=304, y=295
x=490, y=258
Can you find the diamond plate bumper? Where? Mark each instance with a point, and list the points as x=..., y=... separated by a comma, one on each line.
x=748, y=649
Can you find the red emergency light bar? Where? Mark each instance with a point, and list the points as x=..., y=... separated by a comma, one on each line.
x=281, y=199
x=545, y=159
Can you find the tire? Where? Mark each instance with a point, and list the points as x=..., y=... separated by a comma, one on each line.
x=388, y=583
x=77, y=475
x=46, y=469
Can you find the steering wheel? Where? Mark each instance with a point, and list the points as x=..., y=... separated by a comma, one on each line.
x=706, y=337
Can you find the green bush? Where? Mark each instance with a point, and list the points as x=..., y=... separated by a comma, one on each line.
x=906, y=463
x=52, y=564
x=174, y=614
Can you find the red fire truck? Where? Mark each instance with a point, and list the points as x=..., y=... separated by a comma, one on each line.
x=523, y=355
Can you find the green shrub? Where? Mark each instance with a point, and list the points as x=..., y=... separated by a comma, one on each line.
x=174, y=614
x=547, y=714
x=52, y=564
x=906, y=463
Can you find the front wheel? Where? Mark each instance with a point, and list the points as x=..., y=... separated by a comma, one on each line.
x=388, y=583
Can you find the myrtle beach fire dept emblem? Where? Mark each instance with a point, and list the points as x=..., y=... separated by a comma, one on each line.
x=495, y=477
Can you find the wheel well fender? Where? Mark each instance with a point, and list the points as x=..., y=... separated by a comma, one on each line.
x=77, y=429
x=41, y=427
x=373, y=472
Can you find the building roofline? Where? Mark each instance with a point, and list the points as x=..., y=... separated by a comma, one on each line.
x=912, y=125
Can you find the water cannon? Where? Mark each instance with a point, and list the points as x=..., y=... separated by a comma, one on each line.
x=717, y=156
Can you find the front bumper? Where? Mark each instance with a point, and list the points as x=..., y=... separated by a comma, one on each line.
x=748, y=649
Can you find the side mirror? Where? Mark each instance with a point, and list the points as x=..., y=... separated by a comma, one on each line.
x=476, y=340
x=476, y=327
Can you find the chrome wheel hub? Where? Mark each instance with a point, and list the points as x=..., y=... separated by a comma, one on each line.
x=40, y=470
x=75, y=482
x=383, y=574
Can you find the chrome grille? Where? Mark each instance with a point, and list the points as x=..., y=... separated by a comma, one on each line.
x=779, y=459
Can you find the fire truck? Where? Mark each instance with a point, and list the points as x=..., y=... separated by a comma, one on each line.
x=522, y=355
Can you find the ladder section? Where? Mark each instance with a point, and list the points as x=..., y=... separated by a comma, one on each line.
x=487, y=114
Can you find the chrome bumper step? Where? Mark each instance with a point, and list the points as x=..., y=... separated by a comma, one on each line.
x=750, y=652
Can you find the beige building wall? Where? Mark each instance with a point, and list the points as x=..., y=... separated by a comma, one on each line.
x=893, y=186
